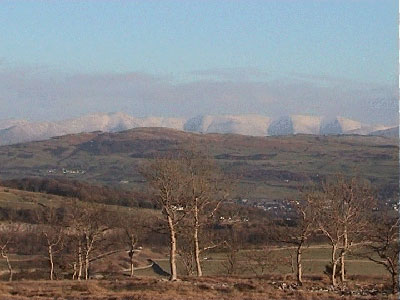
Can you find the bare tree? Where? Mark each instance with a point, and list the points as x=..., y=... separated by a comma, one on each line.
x=383, y=245
x=232, y=263
x=133, y=225
x=343, y=208
x=4, y=246
x=87, y=222
x=92, y=232
x=207, y=189
x=133, y=240
x=8, y=234
x=52, y=231
x=260, y=260
x=233, y=243
x=298, y=233
x=168, y=179
x=185, y=249
x=207, y=238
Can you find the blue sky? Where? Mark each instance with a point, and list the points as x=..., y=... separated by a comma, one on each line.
x=184, y=42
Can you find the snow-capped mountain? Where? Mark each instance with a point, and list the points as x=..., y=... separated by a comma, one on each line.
x=241, y=124
x=9, y=123
x=25, y=131
x=389, y=132
x=295, y=124
x=17, y=131
x=340, y=125
x=174, y=123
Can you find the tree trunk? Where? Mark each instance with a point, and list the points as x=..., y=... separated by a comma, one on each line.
x=87, y=264
x=299, y=265
x=89, y=247
x=10, y=271
x=395, y=285
x=172, y=255
x=334, y=264
x=342, y=271
x=196, y=241
x=342, y=254
x=334, y=273
x=5, y=255
x=80, y=261
x=50, y=249
x=131, y=261
x=74, y=274
x=197, y=254
x=131, y=252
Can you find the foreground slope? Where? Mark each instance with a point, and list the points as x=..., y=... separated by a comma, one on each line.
x=212, y=288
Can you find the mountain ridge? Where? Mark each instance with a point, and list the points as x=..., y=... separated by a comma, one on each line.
x=18, y=131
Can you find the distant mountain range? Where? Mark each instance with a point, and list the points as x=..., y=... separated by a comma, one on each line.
x=18, y=131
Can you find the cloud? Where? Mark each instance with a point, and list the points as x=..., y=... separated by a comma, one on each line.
x=39, y=93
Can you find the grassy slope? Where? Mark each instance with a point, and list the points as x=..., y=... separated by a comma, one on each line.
x=189, y=289
x=215, y=263
x=146, y=288
x=10, y=198
x=268, y=167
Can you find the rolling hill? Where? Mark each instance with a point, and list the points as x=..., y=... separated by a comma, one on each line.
x=267, y=168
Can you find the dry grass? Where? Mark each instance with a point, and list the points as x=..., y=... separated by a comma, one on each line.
x=151, y=289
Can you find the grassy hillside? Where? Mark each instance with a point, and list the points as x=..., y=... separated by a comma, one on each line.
x=267, y=167
x=30, y=201
x=21, y=207
x=364, y=276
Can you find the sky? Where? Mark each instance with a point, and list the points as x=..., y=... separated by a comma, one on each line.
x=60, y=59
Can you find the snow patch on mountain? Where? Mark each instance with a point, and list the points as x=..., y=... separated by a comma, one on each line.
x=255, y=125
x=339, y=125
x=174, y=123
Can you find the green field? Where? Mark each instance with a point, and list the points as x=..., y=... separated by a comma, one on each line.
x=314, y=261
